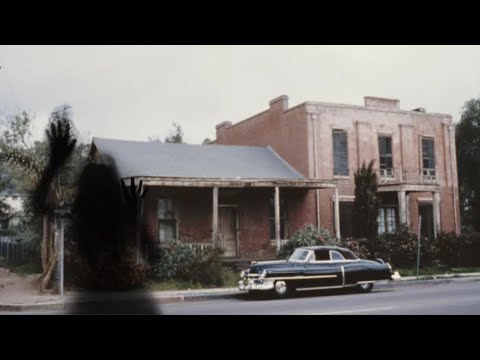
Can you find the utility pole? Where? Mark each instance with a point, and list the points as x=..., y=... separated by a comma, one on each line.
x=60, y=230
x=418, y=249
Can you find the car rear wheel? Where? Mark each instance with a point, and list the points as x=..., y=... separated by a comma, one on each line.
x=282, y=289
x=365, y=287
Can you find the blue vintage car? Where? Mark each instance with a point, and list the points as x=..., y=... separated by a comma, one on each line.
x=315, y=267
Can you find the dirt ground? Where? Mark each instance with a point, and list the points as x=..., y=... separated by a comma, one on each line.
x=16, y=288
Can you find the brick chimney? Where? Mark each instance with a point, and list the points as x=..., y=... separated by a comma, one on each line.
x=382, y=103
x=279, y=103
x=221, y=128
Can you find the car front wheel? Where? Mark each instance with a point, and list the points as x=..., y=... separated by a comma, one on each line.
x=365, y=288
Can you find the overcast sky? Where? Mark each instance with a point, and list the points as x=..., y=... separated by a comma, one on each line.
x=133, y=92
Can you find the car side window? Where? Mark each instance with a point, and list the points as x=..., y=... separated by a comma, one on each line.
x=322, y=255
x=335, y=255
x=348, y=255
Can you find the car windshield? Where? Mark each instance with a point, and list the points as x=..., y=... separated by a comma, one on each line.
x=299, y=255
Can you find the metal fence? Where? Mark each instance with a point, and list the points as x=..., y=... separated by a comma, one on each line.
x=14, y=253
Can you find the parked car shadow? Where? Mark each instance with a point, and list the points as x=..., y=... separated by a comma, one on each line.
x=270, y=295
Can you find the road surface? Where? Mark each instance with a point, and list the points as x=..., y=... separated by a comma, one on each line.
x=455, y=298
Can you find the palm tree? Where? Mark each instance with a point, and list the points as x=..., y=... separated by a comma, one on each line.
x=48, y=192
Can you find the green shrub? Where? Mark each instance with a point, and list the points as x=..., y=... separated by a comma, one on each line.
x=175, y=260
x=453, y=250
x=470, y=254
x=207, y=269
x=448, y=248
x=172, y=260
x=399, y=248
x=310, y=235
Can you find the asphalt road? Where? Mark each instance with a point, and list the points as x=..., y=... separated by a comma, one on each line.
x=453, y=298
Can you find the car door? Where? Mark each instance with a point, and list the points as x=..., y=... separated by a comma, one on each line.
x=321, y=271
x=354, y=271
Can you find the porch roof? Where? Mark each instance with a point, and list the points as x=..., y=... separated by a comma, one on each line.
x=203, y=163
x=235, y=183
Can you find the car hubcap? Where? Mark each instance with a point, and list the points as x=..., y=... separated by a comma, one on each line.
x=280, y=287
x=365, y=286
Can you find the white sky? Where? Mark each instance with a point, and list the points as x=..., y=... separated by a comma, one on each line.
x=133, y=92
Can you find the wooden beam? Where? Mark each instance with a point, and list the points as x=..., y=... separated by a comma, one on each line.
x=233, y=183
x=337, y=215
x=402, y=209
x=215, y=216
x=436, y=213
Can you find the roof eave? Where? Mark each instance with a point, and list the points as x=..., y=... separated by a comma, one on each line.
x=234, y=183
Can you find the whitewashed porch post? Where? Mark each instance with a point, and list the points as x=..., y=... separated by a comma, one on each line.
x=215, y=217
x=337, y=215
x=436, y=213
x=277, y=217
x=402, y=212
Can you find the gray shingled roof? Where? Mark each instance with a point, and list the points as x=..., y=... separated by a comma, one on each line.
x=138, y=158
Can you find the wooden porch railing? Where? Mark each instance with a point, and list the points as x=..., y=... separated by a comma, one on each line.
x=199, y=248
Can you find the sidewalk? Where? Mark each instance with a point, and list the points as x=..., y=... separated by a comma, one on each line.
x=56, y=302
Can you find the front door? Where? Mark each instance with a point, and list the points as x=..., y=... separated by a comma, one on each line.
x=426, y=212
x=227, y=230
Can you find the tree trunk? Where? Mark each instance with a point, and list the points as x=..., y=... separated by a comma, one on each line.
x=49, y=253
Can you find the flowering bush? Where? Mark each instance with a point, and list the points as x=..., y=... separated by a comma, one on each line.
x=175, y=260
x=360, y=248
x=453, y=250
x=310, y=235
x=399, y=248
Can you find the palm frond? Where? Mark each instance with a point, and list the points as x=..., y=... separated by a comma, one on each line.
x=21, y=159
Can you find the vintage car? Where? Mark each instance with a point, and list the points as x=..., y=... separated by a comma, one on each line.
x=315, y=267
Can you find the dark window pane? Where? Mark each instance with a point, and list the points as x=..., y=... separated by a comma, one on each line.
x=166, y=230
x=272, y=228
x=340, y=153
x=385, y=152
x=346, y=208
x=165, y=209
x=389, y=163
x=428, y=153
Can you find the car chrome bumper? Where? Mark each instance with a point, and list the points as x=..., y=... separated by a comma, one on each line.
x=396, y=276
x=255, y=284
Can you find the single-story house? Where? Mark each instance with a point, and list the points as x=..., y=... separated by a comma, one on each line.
x=243, y=199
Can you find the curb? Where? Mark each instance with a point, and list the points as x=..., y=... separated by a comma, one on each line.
x=26, y=307
x=235, y=293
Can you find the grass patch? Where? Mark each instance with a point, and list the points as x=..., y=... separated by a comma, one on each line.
x=231, y=279
x=3, y=262
x=437, y=270
x=156, y=285
x=25, y=269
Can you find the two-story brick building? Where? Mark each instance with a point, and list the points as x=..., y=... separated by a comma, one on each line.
x=414, y=153
x=274, y=172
